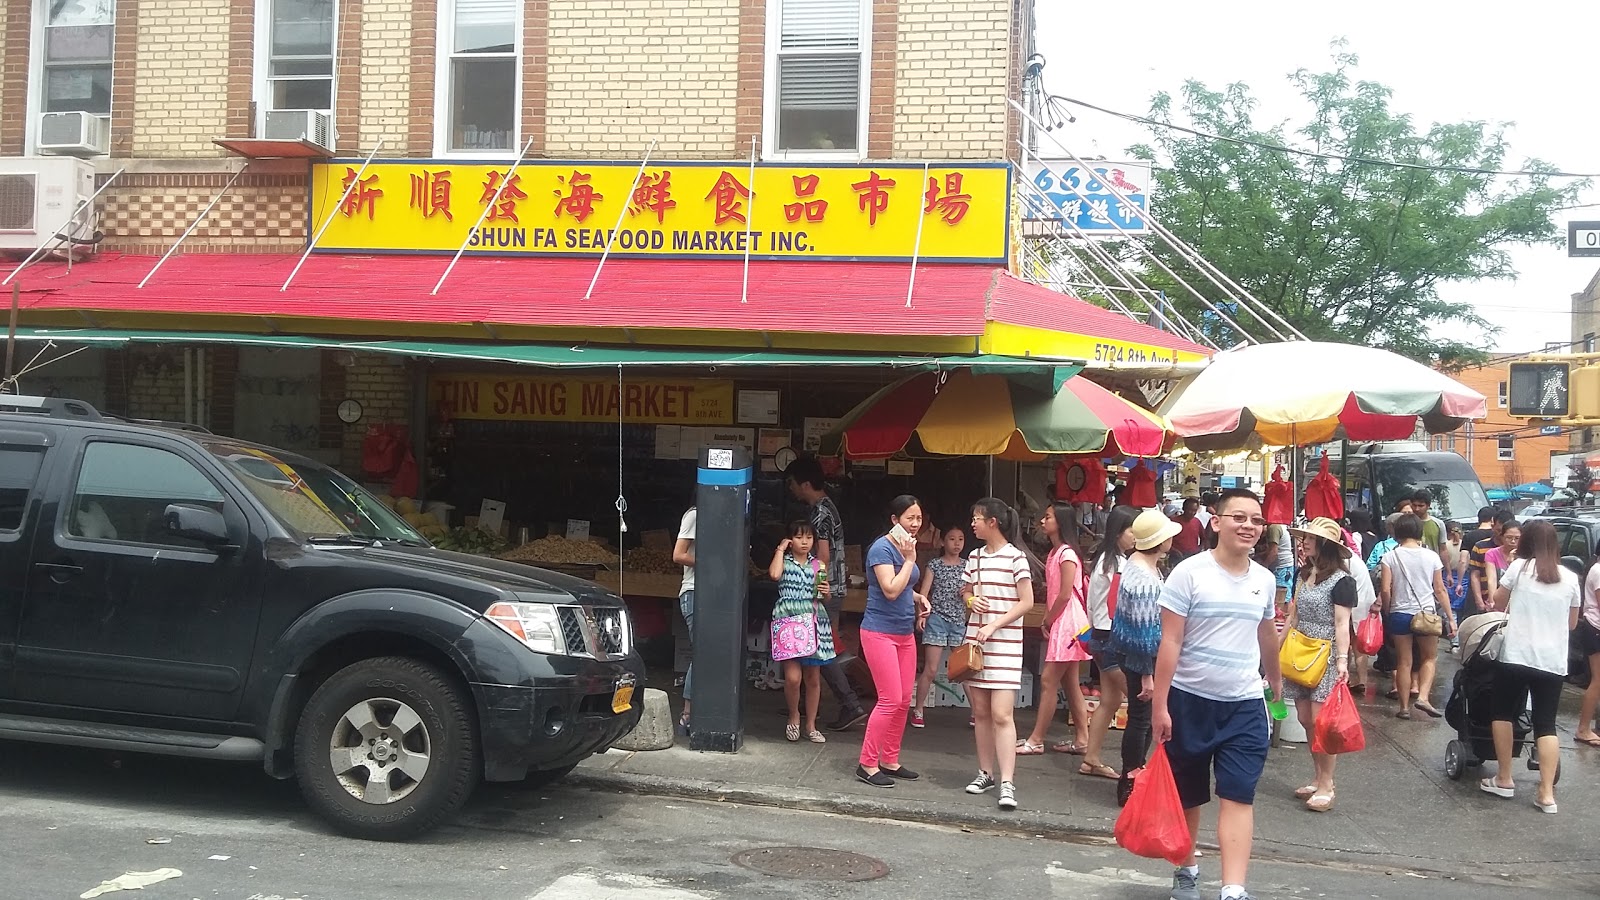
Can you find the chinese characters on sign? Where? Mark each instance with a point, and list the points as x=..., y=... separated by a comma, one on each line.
x=1088, y=197
x=672, y=209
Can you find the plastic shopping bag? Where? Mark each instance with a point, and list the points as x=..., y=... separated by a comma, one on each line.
x=1369, y=634
x=1152, y=825
x=1338, y=725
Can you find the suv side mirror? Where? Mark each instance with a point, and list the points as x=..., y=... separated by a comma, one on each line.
x=1575, y=564
x=197, y=523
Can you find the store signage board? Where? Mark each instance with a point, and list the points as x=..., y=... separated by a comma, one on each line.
x=758, y=407
x=560, y=399
x=701, y=210
x=1085, y=197
x=814, y=429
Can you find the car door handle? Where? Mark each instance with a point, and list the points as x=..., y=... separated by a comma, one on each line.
x=59, y=572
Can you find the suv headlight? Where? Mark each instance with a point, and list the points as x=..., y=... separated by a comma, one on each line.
x=535, y=624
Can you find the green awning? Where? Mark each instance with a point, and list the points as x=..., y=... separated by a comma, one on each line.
x=1042, y=373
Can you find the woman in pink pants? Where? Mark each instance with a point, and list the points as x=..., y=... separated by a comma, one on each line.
x=889, y=642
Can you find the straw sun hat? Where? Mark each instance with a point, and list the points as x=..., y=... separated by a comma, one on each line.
x=1325, y=529
x=1152, y=528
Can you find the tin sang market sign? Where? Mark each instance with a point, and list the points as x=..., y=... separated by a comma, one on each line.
x=676, y=210
x=694, y=401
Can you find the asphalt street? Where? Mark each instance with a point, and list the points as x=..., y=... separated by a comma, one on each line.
x=74, y=819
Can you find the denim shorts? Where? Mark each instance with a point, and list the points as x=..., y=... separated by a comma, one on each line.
x=941, y=632
x=1396, y=624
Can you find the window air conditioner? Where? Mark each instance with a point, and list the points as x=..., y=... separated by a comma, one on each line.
x=78, y=134
x=298, y=125
x=38, y=194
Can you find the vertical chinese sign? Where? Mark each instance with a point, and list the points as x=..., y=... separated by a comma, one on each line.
x=706, y=210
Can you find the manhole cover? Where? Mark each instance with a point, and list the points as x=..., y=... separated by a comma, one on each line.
x=813, y=863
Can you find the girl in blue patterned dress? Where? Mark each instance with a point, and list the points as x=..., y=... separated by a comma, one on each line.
x=798, y=574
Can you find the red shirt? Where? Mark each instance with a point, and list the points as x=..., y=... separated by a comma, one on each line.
x=1187, y=541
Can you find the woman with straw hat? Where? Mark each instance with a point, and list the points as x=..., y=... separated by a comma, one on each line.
x=1323, y=599
x=1136, y=635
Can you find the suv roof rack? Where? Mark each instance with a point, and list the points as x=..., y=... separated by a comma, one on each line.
x=159, y=423
x=54, y=407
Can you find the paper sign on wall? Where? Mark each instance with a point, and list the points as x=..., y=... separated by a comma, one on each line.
x=758, y=407
x=492, y=515
x=577, y=529
x=815, y=428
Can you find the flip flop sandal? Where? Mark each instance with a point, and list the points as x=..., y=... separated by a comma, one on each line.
x=1071, y=748
x=1590, y=741
x=1028, y=748
x=1305, y=793
x=1320, y=802
x=1100, y=771
x=1428, y=708
x=791, y=733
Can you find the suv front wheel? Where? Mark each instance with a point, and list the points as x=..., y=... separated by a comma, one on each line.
x=386, y=749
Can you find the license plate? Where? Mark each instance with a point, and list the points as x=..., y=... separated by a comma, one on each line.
x=622, y=699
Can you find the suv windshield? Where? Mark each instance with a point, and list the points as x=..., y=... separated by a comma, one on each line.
x=1453, y=498
x=311, y=498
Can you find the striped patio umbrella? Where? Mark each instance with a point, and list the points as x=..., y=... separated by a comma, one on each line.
x=990, y=415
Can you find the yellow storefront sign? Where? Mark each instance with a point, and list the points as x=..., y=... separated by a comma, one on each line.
x=696, y=401
x=693, y=209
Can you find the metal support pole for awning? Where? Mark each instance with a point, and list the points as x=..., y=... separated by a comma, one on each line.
x=606, y=253
x=493, y=201
x=312, y=245
x=193, y=225
x=750, y=215
x=52, y=239
x=916, y=248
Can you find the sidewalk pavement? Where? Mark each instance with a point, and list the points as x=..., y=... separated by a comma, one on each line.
x=1395, y=807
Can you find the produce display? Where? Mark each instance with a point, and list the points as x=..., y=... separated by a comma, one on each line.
x=649, y=561
x=557, y=550
x=472, y=540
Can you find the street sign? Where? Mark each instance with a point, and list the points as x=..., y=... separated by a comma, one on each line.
x=1549, y=430
x=1085, y=198
x=1538, y=390
x=1583, y=238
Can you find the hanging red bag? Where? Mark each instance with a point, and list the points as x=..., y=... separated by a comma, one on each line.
x=1278, y=507
x=1152, y=825
x=407, y=480
x=1369, y=634
x=382, y=450
x=1338, y=725
x=1323, y=500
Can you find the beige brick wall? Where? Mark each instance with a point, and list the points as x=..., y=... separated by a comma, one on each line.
x=385, y=76
x=624, y=72
x=181, y=94
x=950, y=79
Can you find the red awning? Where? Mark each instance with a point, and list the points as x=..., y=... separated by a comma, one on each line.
x=784, y=296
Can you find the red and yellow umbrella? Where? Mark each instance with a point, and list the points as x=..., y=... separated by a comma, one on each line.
x=990, y=415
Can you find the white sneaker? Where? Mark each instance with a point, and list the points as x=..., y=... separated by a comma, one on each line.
x=1008, y=795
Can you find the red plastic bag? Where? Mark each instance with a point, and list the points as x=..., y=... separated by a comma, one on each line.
x=1152, y=825
x=1369, y=634
x=382, y=451
x=1322, y=495
x=1338, y=725
x=1278, y=507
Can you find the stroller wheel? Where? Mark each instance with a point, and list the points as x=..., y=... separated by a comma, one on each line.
x=1453, y=763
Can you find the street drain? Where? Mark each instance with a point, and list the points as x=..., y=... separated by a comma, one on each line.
x=812, y=863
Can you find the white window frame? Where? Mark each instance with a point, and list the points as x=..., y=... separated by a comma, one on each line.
x=1505, y=448
x=442, y=58
x=35, y=105
x=1504, y=391
x=261, y=83
x=769, y=92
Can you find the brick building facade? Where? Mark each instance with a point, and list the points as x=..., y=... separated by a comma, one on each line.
x=573, y=79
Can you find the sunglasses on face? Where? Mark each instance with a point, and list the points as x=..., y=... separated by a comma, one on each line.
x=1241, y=519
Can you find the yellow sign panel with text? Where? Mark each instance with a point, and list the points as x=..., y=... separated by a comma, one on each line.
x=890, y=211
x=694, y=401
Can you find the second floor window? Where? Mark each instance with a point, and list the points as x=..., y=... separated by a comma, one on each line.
x=480, y=75
x=77, y=56
x=816, y=77
x=300, y=55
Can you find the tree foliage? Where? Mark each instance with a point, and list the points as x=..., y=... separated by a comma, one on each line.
x=1344, y=250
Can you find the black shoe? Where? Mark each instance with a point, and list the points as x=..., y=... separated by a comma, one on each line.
x=1124, y=790
x=848, y=719
x=902, y=773
x=879, y=778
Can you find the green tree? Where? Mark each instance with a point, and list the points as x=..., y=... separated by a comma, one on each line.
x=1344, y=250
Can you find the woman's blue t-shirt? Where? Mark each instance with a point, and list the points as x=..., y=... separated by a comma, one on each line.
x=883, y=615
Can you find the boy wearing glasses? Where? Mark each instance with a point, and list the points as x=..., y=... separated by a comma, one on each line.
x=1217, y=633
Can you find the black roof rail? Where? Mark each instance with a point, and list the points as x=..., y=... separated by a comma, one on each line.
x=54, y=407
x=159, y=423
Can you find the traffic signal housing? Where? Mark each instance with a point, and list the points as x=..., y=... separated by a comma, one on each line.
x=1541, y=390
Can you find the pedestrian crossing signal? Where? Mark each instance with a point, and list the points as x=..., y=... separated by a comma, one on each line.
x=1539, y=390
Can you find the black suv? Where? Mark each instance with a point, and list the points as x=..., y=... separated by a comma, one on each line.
x=169, y=591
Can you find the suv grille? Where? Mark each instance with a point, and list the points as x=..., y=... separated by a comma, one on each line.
x=597, y=632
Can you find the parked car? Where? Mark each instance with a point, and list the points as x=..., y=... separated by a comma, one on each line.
x=175, y=592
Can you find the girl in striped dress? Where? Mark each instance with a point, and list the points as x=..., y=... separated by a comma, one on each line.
x=798, y=574
x=998, y=588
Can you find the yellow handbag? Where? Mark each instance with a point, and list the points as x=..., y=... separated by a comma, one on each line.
x=1303, y=660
